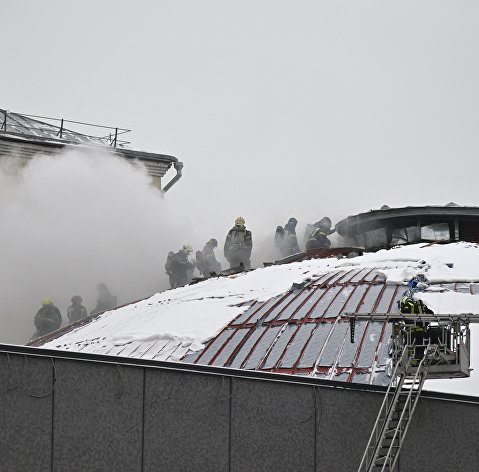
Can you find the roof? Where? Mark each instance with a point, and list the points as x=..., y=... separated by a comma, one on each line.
x=287, y=318
x=24, y=135
x=353, y=223
x=26, y=126
x=304, y=331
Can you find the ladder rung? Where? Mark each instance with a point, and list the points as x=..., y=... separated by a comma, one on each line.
x=395, y=414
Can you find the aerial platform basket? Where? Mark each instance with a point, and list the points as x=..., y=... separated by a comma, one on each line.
x=450, y=334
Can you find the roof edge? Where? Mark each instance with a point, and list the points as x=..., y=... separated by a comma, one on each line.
x=218, y=371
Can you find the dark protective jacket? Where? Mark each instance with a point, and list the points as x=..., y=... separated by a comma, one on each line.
x=76, y=312
x=238, y=246
x=169, y=262
x=169, y=269
x=318, y=240
x=180, y=267
x=289, y=243
x=47, y=319
x=106, y=301
x=206, y=261
x=410, y=305
x=310, y=228
x=308, y=231
x=279, y=237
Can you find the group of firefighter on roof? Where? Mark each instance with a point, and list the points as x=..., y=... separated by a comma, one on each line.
x=238, y=247
x=48, y=318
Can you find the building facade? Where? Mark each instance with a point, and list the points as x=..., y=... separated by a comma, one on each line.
x=24, y=136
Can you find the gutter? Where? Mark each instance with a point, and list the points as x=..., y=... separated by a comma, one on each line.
x=179, y=172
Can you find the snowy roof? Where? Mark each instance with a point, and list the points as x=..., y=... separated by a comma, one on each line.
x=260, y=320
x=26, y=126
x=18, y=131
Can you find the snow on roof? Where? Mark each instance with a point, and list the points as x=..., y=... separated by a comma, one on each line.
x=18, y=125
x=257, y=320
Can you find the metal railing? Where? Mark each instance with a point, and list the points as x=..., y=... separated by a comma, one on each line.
x=55, y=128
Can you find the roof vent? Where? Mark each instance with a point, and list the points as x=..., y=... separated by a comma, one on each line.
x=452, y=204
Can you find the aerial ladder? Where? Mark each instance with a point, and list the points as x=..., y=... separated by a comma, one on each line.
x=442, y=352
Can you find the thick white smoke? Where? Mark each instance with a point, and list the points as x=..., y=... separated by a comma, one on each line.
x=84, y=216
x=71, y=221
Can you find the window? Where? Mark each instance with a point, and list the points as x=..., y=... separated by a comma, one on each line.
x=436, y=232
x=405, y=235
x=375, y=238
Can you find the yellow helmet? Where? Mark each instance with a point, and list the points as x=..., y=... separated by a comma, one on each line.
x=239, y=221
x=46, y=301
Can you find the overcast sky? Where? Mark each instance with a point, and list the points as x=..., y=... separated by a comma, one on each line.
x=276, y=108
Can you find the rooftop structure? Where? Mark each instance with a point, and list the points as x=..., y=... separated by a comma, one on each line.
x=388, y=227
x=24, y=136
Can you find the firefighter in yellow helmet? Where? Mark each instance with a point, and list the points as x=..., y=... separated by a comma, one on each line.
x=416, y=329
x=48, y=318
x=238, y=245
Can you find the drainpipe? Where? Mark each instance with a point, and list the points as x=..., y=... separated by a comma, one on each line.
x=178, y=167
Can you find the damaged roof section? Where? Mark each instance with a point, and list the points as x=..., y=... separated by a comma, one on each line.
x=388, y=227
x=305, y=332
x=286, y=318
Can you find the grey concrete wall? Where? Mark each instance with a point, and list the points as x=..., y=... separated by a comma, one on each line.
x=73, y=415
x=98, y=417
x=272, y=427
x=26, y=386
x=187, y=419
x=345, y=421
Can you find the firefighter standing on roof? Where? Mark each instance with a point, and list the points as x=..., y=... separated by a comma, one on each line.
x=206, y=261
x=106, y=301
x=238, y=245
x=285, y=238
x=76, y=311
x=181, y=267
x=48, y=318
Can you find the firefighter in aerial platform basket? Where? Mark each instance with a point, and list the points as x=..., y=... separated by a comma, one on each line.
x=415, y=330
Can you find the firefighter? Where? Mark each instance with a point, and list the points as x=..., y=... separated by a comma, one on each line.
x=285, y=238
x=206, y=261
x=238, y=245
x=416, y=329
x=76, y=311
x=181, y=267
x=106, y=301
x=169, y=270
x=318, y=238
x=48, y=318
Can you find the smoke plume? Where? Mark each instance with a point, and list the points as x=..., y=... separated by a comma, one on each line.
x=74, y=220
x=85, y=216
